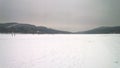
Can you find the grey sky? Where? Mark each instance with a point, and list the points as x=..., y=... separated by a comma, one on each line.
x=69, y=15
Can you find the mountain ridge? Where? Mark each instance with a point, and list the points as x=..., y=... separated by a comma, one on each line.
x=102, y=30
x=28, y=28
x=14, y=27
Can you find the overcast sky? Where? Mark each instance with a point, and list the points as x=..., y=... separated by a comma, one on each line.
x=68, y=15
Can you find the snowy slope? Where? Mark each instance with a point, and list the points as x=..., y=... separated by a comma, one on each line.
x=60, y=51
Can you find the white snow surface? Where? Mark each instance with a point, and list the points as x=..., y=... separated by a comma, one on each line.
x=60, y=51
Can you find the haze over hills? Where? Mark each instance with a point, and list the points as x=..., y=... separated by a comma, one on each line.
x=102, y=30
x=32, y=29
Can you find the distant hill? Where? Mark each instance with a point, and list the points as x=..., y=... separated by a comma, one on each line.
x=102, y=30
x=27, y=28
x=32, y=29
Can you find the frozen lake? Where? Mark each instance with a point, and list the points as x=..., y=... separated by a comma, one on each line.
x=60, y=51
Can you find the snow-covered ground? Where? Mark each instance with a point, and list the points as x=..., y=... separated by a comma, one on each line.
x=60, y=51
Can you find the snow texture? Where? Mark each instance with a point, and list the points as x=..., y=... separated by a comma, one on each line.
x=60, y=51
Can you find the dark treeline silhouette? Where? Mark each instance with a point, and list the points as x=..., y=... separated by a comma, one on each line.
x=103, y=30
x=32, y=29
x=28, y=29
